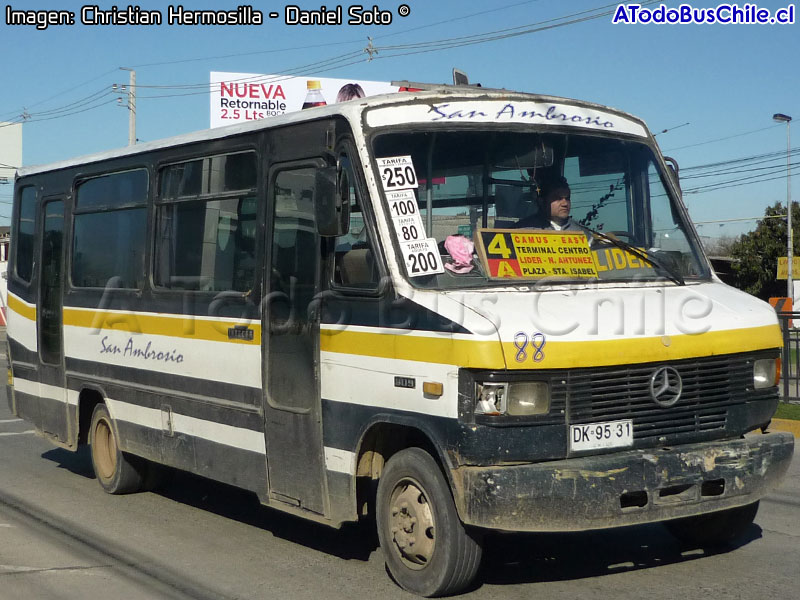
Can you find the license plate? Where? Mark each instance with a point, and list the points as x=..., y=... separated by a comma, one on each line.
x=593, y=436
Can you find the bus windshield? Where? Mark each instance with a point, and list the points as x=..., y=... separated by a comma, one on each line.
x=472, y=180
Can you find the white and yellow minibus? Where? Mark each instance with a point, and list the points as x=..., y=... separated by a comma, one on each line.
x=369, y=310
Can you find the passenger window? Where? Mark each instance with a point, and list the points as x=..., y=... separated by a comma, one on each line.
x=108, y=249
x=25, y=226
x=206, y=217
x=110, y=231
x=355, y=263
x=113, y=190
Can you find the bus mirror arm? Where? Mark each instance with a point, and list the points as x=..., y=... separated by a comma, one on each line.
x=330, y=209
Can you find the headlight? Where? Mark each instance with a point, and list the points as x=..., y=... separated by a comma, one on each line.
x=765, y=372
x=518, y=399
x=528, y=398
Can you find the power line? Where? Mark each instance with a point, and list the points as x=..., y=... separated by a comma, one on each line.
x=512, y=31
x=35, y=119
x=736, y=164
x=732, y=171
x=15, y=113
x=726, y=185
x=344, y=59
x=722, y=139
x=743, y=159
x=66, y=110
x=77, y=103
x=280, y=75
x=429, y=46
x=740, y=219
x=348, y=42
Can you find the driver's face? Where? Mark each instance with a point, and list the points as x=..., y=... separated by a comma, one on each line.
x=560, y=203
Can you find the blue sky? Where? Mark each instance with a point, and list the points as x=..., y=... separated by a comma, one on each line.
x=724, y=80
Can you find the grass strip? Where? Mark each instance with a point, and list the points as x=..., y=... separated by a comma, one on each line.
x=788, y=411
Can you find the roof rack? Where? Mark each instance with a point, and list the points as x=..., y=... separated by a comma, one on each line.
x=419, y=86
x=460, y=79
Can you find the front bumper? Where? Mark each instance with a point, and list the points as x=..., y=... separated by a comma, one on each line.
x=624, y=488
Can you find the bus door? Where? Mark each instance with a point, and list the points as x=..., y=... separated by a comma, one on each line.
x=52, y=388
x=291, y=341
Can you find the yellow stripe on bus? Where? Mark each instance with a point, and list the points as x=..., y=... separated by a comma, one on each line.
x=604, y=353
x=180, y=326
x=22, y=309
x=484, y=354
x=553, y=355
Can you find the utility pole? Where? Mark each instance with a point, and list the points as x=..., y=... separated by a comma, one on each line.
x=131, y=106
x=781, y=118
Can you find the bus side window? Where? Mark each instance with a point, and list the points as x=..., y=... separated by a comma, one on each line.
x=110, y=230
x=205, y=233
x=295, y=247
x=354, y=258
x=25, y=225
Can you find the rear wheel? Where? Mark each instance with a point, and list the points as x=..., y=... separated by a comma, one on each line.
x=426, y=547
x=714, y=529
x=117, y=472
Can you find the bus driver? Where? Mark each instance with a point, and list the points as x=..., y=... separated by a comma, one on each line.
x=557, y=200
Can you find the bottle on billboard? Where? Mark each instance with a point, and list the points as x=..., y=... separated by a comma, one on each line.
x=314, y=95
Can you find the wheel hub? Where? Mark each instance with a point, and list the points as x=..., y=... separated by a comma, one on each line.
x=105, y=449
x=412, y=525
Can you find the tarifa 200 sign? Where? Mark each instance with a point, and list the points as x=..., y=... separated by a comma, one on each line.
x=241, y=97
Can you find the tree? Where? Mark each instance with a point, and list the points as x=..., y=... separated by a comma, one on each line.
x=721, y=246
x=757, y=252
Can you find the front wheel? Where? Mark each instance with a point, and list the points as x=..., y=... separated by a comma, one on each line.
x=714, y=529
x=426, y=547
x=117, y=472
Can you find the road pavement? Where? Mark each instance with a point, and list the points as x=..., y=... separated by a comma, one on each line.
x=61, y=537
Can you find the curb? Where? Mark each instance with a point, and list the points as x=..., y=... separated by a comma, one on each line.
x=786, y=425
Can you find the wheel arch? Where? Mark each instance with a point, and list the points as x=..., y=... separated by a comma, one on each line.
x=381, y=439
x=89, y=397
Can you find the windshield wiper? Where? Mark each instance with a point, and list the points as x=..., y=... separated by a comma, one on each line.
x=670, y=272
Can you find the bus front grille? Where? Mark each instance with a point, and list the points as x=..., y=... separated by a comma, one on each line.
x=710, y=387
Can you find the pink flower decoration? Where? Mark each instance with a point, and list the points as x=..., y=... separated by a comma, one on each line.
x=460, y=249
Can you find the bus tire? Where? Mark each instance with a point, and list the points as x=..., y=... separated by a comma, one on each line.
x=714, y=529
x=117, y=472
x=427, y=549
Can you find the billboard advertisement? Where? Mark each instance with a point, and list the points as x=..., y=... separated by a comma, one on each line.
x=242, y=97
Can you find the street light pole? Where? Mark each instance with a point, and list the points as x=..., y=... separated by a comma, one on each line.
x=781, y=118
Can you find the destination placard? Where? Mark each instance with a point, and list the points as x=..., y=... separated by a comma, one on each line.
x=535, y=254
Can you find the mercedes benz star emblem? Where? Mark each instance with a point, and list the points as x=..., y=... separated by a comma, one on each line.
x=665, y=386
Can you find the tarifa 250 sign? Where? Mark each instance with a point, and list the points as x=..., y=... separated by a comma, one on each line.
x=241, y=97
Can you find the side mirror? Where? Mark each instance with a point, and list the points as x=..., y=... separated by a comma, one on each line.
x=331, y=201
x=673, y=166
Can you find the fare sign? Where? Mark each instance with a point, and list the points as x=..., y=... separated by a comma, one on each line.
x=533, y=254
x=397, y=173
